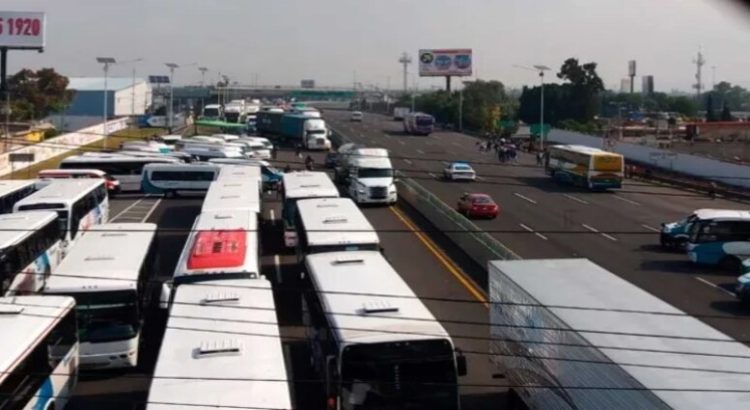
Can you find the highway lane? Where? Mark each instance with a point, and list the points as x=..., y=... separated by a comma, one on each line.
x=542, y=218
x=422, y=269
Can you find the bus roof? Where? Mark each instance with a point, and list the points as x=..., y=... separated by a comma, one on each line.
x=109, y=257
x=723, y=214
x=215, y=237
x=335, y=221
x=234, y=194
x=17, y=226
x=121, y=156
x=64, y=191
x=609, y=303
x=583, y=149
x=356, y=318
x=306, y=184
x=12, y=185
x=25, y=320
x=240, y=172
x=224, y=330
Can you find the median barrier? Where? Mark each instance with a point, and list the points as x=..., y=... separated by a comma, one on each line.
x=477, y=244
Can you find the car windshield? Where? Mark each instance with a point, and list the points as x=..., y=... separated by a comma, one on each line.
x=375, y=173
x=462, y=167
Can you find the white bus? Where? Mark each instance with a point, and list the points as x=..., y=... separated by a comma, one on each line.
x=240, y=194
x=297, y=186
x=240, y=172
x=125, y=168
x=79, y=203
x=38, y=352
x=332, y=225
x=221, y=350
x=30, y=248
x=376, y=351
x=14, y=190
x=173, y=179
x=222, y=244
x=108, y=274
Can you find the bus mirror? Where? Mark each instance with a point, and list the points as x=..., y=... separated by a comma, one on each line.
x=461, y=366
x=166, y=293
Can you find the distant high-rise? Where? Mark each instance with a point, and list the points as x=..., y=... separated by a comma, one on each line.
x=625, y=85
x=647, y=84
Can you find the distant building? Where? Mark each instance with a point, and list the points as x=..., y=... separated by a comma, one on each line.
x=124, y=96
x=625, y=85
x=647, y=84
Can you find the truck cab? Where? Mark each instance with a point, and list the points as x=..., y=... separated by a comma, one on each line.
x=316, y=134
x=369, y=177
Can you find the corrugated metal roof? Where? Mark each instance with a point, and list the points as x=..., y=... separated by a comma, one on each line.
x=97, y=83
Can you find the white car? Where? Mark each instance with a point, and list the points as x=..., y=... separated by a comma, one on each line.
x=459, y=170
x=356, y=116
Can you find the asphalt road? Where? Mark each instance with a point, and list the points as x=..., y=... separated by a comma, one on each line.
x=428, y=265
x=541, y=218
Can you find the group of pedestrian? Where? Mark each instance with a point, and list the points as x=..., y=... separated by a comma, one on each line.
x=505, y=150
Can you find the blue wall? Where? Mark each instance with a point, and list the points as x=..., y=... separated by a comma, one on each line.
x=91, y=103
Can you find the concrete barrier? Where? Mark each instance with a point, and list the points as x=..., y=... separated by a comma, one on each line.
x=60, y=145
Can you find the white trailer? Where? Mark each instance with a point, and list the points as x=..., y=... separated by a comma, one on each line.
x=568, y=334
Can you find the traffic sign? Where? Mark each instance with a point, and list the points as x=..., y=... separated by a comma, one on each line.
x=534, y=129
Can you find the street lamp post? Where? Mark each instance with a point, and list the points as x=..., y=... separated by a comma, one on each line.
x=132, y=87
x=542, y=69
x=106, y=61
x=170, y=111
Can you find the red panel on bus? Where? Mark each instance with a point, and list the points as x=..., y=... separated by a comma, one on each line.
x=218, y=249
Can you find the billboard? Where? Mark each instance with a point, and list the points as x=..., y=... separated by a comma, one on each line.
x=22, y=29
x=307, y=84
x=445, y=62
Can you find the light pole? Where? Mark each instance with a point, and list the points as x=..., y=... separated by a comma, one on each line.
x=542, y=69
x=203, y=75
x=132, y=87
x=106, y=61
x=461, y=106
x=170, y=111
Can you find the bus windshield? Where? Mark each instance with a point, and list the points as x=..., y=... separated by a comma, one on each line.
x=400, y=375
x=106, y=316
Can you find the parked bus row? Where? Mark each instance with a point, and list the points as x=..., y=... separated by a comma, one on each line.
x=380, y=351
x=222, y=346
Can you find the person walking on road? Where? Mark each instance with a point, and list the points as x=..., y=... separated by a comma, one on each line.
x=539, y=157
x=298, y=150
x=309, y=163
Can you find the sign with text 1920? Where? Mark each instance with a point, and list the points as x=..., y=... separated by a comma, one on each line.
x=22, y=29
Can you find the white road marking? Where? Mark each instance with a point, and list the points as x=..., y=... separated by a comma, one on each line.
x=525, y=198
x=420, y=151
x=151, y=211
x=606, y=235
x=277, y=266
x=480, y=178
x=716, y=286
x=128, y=208
x=575, y=198
x=627, y=200
x=533, y=231
x=433, y=175
x=408, y=161
x=650, y=228
x=446, y=163
x=401, y=142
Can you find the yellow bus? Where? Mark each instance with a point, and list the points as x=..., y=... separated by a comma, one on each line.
x=584, y=166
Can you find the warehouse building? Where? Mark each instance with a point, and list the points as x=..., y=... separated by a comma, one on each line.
x=125, y=97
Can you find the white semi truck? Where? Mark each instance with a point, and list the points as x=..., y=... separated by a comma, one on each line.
x=368, y=174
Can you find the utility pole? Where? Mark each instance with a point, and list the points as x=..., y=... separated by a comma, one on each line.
x=203, y=75
x=405, y=60
x=6, y=90
x=170, y=111
x=105, y=61
x=713, y=76
x=699, y=62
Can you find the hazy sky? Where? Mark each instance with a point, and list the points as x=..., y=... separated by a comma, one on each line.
x=284, y=41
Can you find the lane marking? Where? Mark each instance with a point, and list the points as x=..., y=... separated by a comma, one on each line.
x=650, y=228
x=606, y=235
x=433, y=175
x=446, y=163
x=534, y=232
x=408, y=161
x=467, y=283
x=480, y=178
x=716, y=286
x=401, y=142
x=129, y=207
x=151, y=211
x=420, y=151
x=574, y=198
x=277, y=266
x=627, y=200
x=525, y=198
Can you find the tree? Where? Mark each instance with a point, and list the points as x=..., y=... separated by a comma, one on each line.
x=726, y=114
x=710, y=114
x=37, y=94
x=684, y=105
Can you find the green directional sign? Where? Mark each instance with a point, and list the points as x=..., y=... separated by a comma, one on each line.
x=534, y=129
x=219, y=124
x=503, y=124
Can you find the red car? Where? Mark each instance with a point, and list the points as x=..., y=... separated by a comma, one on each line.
x=478, y=205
